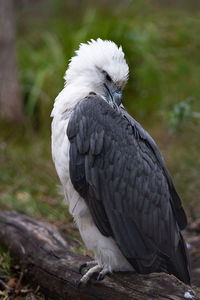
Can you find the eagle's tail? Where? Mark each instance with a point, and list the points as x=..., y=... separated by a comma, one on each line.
x=180, y=266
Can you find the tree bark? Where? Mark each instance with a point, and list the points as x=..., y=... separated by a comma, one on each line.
x=11, y=107
x=53, y=265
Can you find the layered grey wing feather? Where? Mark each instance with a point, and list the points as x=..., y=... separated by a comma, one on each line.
x=117, y=168
x=176, y=202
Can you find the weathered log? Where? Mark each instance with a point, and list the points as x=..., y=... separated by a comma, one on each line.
x=53, y=265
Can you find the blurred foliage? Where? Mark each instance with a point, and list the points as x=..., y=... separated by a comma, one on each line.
x=5, y=262
x=161, y=48
x=28, y=178
x=182, y=113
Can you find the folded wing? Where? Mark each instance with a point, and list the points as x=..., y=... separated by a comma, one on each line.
x=117, y=168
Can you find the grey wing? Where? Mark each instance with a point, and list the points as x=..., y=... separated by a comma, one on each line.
x=125, y=188
x=175, y=200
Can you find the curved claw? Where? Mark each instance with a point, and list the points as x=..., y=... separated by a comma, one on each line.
x=100, y=276
x=82, y=266
x=78, y=284
x=94, y=276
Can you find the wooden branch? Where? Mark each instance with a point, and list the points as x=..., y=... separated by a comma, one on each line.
x=53, y=265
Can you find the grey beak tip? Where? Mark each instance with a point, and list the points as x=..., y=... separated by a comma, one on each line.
x=118, y=98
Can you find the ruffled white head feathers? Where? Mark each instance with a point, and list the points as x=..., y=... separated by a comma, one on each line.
x=95, y=55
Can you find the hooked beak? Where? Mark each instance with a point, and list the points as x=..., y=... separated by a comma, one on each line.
x=117, y=96
x=113, y=95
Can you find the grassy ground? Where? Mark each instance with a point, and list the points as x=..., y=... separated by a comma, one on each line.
x=162, y=50
x=28, y=178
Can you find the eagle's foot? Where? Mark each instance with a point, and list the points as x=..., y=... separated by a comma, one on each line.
x=96, y=273
x=88, y=275
x=86, y=264
x=100, y=275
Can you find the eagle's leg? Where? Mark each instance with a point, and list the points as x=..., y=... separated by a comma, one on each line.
x=102, y=274
x=87, y=276
x=86, y=264
x=97, y=272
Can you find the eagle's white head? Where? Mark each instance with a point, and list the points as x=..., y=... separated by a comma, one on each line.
x=101, y=67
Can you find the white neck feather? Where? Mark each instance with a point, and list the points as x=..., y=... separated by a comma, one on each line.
x=69, y=97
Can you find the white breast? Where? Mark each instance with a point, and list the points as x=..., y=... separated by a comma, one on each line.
x=105, y=249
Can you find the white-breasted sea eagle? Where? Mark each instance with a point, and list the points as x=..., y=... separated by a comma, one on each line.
x=114, y=178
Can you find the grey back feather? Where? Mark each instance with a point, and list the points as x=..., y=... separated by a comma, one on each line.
x=117, y=168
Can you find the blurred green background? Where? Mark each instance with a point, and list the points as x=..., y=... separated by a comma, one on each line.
x=161, y=41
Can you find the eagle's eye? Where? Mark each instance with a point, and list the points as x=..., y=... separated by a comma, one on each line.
x=108, y=77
